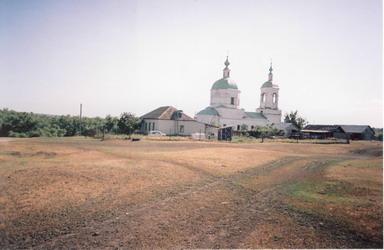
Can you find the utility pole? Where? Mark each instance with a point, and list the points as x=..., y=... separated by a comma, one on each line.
x=81, y=113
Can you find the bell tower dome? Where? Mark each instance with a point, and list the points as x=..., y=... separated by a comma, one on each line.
x=269, y=99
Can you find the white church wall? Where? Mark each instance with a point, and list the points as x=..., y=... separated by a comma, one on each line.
x=273, y=115
x=208, y=119
x=274, y=118
x=223, y=97
x=235, y=124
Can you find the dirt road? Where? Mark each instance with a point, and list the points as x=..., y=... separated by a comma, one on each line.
x=88, y=194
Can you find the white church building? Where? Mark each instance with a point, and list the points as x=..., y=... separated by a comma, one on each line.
x=224, y=110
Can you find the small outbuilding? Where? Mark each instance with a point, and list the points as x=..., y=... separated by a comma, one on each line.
x=287, y=129
x=359, y=132
x=172, y=121
x=313, y=131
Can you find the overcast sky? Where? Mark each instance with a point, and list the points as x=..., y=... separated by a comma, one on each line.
x=134, y=56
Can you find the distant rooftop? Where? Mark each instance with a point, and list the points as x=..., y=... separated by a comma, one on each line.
x=166, y=113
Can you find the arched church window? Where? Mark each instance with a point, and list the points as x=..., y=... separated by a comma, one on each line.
x=263, y=97
x=274, y=98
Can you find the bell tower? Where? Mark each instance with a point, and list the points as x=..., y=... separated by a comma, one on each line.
x=269, y=100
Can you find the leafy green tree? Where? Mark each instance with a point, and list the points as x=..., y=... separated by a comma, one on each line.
x=111, y=124
x=261, y=132
x=128, y=123
x=294, y=118
x=22, y=124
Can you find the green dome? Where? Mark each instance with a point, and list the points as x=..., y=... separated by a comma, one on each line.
x=224, y=83
x=267, y=84
x=208, y=111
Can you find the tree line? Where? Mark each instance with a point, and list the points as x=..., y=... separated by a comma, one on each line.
x=24, y=124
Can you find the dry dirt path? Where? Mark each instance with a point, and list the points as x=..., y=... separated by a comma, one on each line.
x=246, y=208
x=190, y=218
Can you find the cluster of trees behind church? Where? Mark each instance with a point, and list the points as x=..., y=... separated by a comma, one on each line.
x=23, y=124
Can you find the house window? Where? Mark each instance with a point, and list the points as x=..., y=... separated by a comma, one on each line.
x=153, y=126
x=232, y=100
x=145, y=126
x=181, y=129
x=238, y=127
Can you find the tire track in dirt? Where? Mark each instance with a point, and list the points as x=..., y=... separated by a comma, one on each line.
x=136, y=211
x=338, y=233
x=254, y=206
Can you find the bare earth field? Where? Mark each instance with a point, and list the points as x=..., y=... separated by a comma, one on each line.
x=84, y=193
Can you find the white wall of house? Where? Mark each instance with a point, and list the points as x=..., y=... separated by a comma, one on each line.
x=149, y=125
x=173, y=127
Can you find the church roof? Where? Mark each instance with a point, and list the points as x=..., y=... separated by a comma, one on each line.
x=208, y=111
x=166, y=113
x=267, y=84
x=255, y=115
x=224, y=83
x=233, y=113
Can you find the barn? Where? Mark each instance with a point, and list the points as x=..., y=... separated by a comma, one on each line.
x=359, y=132
x=313, y=131
x=172, y=121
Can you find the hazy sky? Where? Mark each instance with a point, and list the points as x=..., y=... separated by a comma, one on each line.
x=117, y=56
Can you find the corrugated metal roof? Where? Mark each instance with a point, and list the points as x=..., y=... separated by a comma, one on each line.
x=314, y=131
x=330, y=128
x=356, y=128
x=166, y=113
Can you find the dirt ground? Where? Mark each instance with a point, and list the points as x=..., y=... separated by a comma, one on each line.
x=85, y=193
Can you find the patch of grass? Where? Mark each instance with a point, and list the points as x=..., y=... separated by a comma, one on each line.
x=322, y=192
x=244, y=139
x=372, y=163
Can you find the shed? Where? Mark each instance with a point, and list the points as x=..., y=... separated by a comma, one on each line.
x=359, y=132
x=323, y=131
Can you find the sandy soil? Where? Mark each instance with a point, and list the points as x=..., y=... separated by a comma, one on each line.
x=84, y=193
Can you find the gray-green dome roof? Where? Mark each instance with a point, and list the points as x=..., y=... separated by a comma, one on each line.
x=267, y=84
x=208, y=111
x=224, y=83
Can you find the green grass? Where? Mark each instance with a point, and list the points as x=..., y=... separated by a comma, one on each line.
x=364, y=163
x=322, y=192
x=242, y=139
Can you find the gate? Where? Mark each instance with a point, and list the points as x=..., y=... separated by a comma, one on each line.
x=225, y=134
